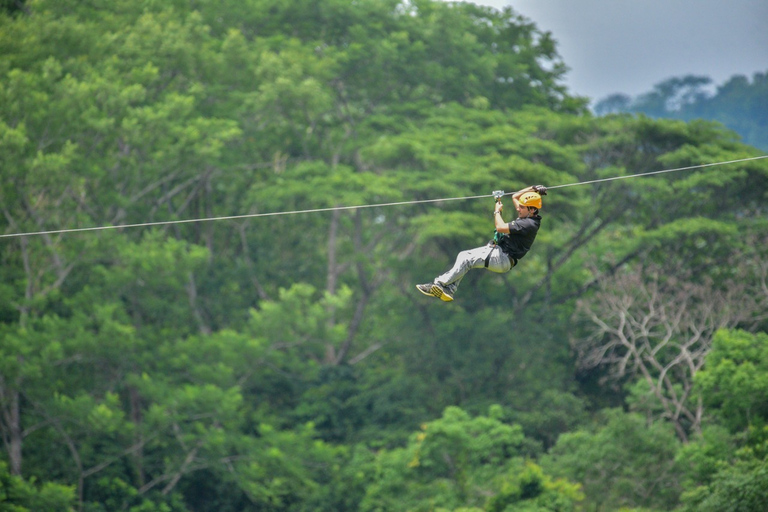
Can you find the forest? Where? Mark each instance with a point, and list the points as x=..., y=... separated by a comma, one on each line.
x=286, y=363
x=739, y=104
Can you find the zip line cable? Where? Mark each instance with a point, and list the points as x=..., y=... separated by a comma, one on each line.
x=658, y=172
x=379, y=205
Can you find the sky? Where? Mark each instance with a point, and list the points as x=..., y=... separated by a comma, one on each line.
x=628, y=46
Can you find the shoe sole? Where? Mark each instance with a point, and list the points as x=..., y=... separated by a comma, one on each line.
x=436, y=291
x=440, y=294
x=427, y=293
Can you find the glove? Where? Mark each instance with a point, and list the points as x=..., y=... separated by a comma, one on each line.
x=540, y=189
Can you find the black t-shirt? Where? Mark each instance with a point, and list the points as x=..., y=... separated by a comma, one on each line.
x=522, y=233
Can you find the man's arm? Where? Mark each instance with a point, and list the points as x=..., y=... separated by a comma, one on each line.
x=516, y=195
x=501, y=226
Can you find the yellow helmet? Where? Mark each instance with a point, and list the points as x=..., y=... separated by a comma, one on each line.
x=531, y=199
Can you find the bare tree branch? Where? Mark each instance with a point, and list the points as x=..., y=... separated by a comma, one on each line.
x=658, y=324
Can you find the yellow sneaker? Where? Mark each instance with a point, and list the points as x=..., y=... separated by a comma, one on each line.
x=435, y=290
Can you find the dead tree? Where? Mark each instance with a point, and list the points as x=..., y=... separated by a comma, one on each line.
x=657, y=324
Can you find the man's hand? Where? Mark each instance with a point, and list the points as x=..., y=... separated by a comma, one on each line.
x=540, y=189
x=499, y=207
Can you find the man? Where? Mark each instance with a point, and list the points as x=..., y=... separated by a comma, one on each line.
x=512, y=241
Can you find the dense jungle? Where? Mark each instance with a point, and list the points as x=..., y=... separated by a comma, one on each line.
x=286, y=363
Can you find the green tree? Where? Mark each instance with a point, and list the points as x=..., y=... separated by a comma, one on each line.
x=733, y=385
x=734, y=381
x=742, y=487
x=458, y=461
x=623, y=462
x=19, y=495
x=672, y=95
x=738, y=103
x=266, y=362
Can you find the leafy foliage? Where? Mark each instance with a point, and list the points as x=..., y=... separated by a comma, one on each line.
x=457, y=461
x=622, y=463
x=286, y=363
x=735, y=381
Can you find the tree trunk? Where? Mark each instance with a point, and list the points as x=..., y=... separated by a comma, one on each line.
x=136, y=417
x=332, y=278
x=13, y=426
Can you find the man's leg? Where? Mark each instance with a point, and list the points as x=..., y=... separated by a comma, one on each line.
x=488, y=256
x=445, y=285
x=499, y=262
x=465, y=261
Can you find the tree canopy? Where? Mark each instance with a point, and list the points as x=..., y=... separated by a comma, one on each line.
x=287, y=363
x=739, y=103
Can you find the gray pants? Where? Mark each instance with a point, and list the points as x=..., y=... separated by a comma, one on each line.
x=498, y=262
